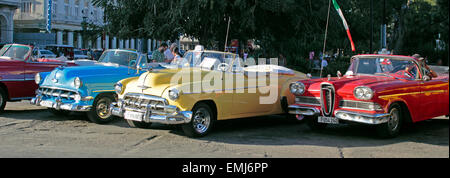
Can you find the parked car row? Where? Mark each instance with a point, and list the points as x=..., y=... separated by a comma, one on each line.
x=208, y=86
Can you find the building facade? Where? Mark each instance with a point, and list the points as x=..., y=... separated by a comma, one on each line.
x=7, y=9
x=66, y=21
x=30, y=26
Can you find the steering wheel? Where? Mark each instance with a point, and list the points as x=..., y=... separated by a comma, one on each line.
x=132, y=63
x=223, y=67
x=405, y=73
x=398, y=68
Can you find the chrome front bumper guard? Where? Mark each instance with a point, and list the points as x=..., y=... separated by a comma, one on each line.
x=170, y=115
x=306, y=111
x=371, y=119
x=59, y=105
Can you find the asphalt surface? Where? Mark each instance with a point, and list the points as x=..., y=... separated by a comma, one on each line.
x=29, y=131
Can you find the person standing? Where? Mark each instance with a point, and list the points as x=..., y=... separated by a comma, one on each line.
x=158, y=54
x=176, y=54
x=168, y=53
x=282, y=60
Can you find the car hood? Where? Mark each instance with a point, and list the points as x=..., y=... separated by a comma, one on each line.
x=157, y=82
x=94, y=77
x=346, y=85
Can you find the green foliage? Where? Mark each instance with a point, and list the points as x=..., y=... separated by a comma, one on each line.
x=289, y=27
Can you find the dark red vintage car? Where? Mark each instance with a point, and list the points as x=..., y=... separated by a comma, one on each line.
x=382, y=90
x=18, y=68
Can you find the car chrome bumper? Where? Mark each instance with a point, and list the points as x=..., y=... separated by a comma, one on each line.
x=170, y=115
x=372, y=119
x=358, y=117
x=301, y=110
x=59, y=105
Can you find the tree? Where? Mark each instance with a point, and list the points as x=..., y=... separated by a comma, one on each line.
x=290, y=27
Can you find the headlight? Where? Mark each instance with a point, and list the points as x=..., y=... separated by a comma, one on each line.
x=37, y=78
x=174, y=94
x=119, y=88
x=77, y=98
x=297, y=88
x=363, y=93
x=77, y=83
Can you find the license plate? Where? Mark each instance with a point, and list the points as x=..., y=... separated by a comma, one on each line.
x=48, y=104
x=134, y=116
x=328, y=120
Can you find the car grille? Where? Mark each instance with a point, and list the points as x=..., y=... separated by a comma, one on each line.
x=327, y=97
x=360, y=105
x=58, y=93
x=308, y=100
x=140, y=103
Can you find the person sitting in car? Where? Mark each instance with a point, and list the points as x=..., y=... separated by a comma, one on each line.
x=427, y=70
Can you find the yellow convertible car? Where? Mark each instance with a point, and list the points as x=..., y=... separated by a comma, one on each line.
x=202, y=88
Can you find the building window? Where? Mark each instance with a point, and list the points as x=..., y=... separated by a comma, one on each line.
x=94, y=14
x=77, y=8
x=26, y=7
x=66, y=8
x=54, y=8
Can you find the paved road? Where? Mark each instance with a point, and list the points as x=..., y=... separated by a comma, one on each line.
x=28, y=131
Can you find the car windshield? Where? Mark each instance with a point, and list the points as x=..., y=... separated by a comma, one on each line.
x=392, y=67
x=15, y=52
x=210, y=60
x=125, y=58
x=46, y=52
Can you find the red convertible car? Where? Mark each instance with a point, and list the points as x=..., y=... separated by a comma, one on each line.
x=18, y=68
x=382, y=90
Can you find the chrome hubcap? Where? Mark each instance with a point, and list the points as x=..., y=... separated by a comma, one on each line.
x=103, y=110
x=394, y=120
x=202, y=120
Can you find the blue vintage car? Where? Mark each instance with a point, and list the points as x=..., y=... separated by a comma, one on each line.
x=89, y=88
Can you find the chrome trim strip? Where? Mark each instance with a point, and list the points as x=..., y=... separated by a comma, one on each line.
x=310, y=98
x=332, y=94
x=57, y=88
x=16, y=80
x=146, y=97
x=22, y=98
x=12, y=80
x=344, y=107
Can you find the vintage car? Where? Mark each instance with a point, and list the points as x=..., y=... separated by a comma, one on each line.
x=88, y=88
x=214, y=86
x=382, y=90
x=18, y=66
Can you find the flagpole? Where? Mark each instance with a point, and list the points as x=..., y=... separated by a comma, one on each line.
x=226, y=37
x=325, y=40
x=371, y=26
